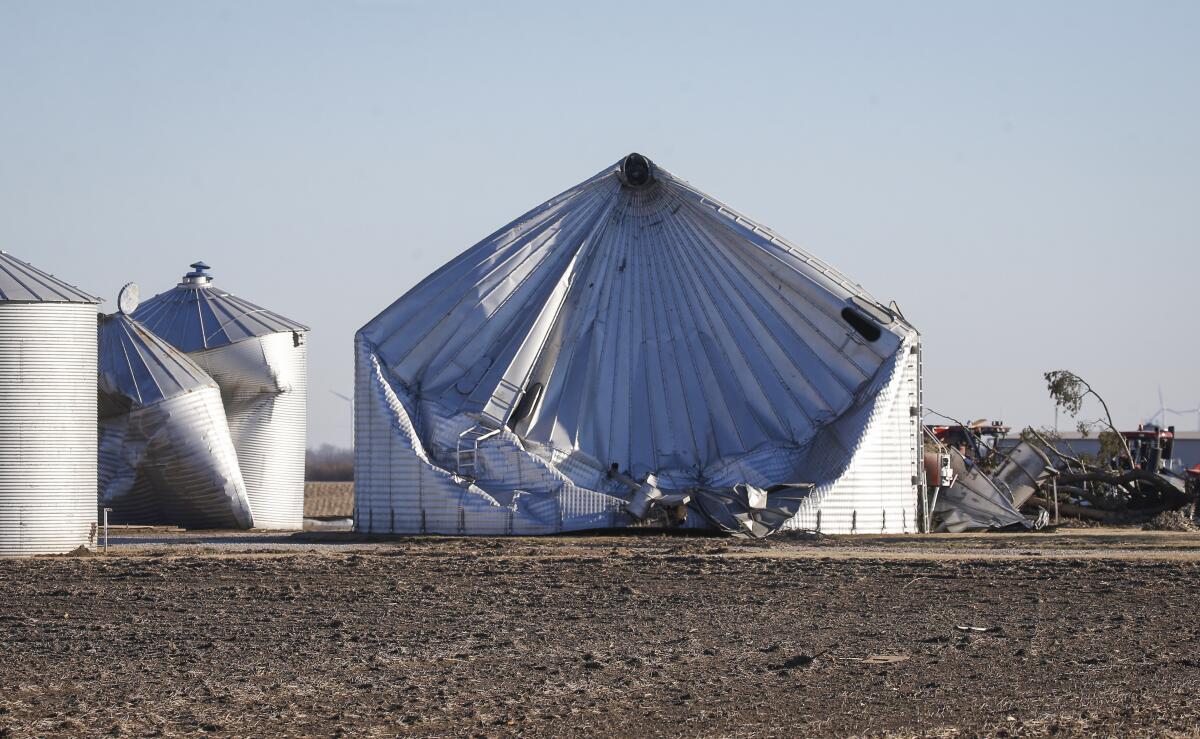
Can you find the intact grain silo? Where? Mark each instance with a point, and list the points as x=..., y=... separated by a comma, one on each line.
x=259, y=359
x=166, y=455
x=634, y=352
x=47, y=412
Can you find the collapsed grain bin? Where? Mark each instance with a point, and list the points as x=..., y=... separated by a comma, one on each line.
x=47, y=412
x=633, y=352
x=259, y=359
x=166, y=456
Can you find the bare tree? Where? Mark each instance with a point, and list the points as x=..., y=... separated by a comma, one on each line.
x=1068, y=391
x=329, y=463
x=1116, y=470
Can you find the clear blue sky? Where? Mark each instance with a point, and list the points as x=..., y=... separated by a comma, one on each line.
x=1022, y=177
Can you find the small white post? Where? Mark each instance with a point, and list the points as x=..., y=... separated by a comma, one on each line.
x=1054, y=487
x=106, y=510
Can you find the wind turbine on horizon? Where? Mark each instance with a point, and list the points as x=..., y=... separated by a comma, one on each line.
x=1160, y=416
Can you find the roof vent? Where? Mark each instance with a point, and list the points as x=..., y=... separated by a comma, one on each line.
x=637, y=171
x=199, y=276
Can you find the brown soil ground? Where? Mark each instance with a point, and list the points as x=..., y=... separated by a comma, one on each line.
x=1075, y=633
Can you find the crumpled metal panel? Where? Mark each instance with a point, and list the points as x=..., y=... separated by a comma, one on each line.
x=644, y=326
x=975, y=502
x=173, y=463
x=399, y=488
x=195, y=315
x=47, y=426
x=21, y=282
x=747, y=510
x=259, y=360
x=667, y=331
x=264, y=388
x=1022, y=471
x=165, y=453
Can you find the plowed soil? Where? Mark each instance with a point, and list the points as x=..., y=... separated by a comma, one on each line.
x=1075, y=634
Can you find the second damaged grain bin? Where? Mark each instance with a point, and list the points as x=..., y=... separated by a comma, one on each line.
x=633, y=352
x=259, y=359
x=166, y=456
x=47, y=412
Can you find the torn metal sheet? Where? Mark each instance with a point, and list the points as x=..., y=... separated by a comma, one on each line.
x=165, y=453
x=1022, y=471
x=974, y=502
x=746, y=510
x=635, y=323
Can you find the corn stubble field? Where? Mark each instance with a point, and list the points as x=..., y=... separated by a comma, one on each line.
x=1068, y=634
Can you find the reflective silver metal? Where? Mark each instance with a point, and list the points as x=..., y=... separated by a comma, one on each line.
x=259, y=359
x=264, y=386
x=634, y=327
x=21, y=282
x=975, y=502
x=196, y=315
x=166, y=455
x=47, y=412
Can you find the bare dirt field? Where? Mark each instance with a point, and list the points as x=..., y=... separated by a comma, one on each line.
x=1075, y=633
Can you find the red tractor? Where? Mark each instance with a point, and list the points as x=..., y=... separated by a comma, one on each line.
x=976, y=441
x=1151, y=447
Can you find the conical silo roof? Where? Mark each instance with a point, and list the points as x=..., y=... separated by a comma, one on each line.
x=194, y=315
x=138, y=368
x=21, y=282
x=642, y=323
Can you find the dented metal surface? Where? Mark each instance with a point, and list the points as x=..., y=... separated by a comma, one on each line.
x=974, y=502
x=633, y=327
x=165, y=452
x=259, y=360
x=264, y=387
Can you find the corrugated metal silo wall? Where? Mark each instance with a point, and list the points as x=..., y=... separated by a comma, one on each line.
x=878, y=492
x=264, y=385
x=47, y=427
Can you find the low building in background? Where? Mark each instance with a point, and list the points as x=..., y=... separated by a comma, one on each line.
x=1185, y=451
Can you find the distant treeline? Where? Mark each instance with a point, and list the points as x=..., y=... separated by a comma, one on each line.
x=329, y=463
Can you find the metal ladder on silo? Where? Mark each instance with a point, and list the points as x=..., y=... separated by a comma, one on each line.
x=467, y=454
x=503, y=398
